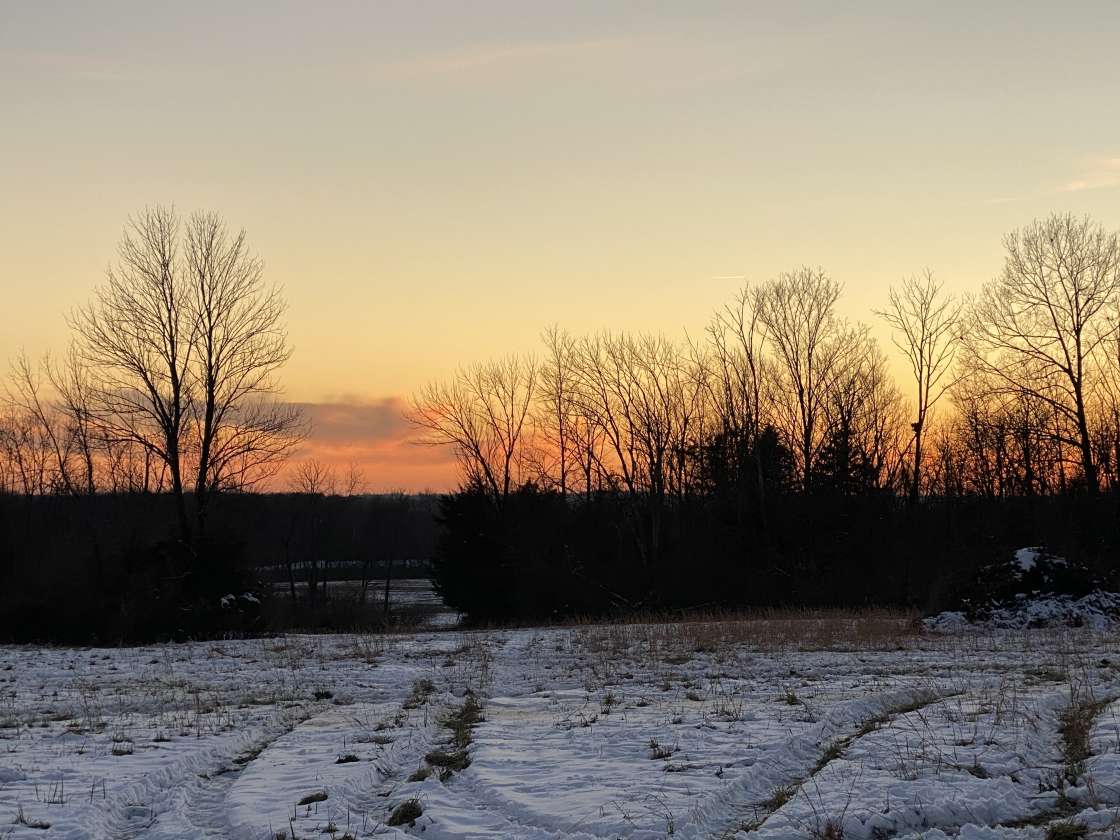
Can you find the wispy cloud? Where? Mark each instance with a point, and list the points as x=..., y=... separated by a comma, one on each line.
x=373, y=436
x=1099, y=173
x=352, y=420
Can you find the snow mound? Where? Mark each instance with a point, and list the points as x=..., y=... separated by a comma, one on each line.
x=1096, y=611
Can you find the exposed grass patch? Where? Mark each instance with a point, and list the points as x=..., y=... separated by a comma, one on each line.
x=830, y=829
x=421, y=690
x=420, y=774
x=779, y=797
x=462, y=720
x=1076, y=726
x=832, y=752
x=407, y=813
x=675, y=638
x=658, y=750
x=312, y=798
x=449, y=759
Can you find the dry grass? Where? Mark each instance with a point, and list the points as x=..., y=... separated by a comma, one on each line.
x=1076, y=726
x=407, y=813
x=449, y=759
x=462, y=720
x=422, y=689
x=779, y=797
x=673, y=639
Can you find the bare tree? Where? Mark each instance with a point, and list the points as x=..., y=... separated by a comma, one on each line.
x=1037, y=329
x=737, y=338
x=485, y=415
x=808, y=344
x=558, y=403
x=926, y=326
x=314, y=478
x=42, y=424
x=354, y=482
x=862, y=416
x=183, y=341
x=25, y=454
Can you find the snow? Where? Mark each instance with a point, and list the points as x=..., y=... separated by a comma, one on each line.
x=740, y=729
x=1097, y=611
x=1026, y=558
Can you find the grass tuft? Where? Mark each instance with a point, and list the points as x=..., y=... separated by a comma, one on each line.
x=449, y=759
x=407, y=813
x=312, y=798
x=779, y=797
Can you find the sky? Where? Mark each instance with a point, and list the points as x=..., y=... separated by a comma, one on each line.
x=434, y=183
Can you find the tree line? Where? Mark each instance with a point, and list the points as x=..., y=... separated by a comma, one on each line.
x=784, y=406
x=773, y=458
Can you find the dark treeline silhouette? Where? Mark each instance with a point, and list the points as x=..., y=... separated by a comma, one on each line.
x=775, y=461
x=109, y=566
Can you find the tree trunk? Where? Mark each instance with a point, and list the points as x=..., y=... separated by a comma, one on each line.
x=388, y=584
x=916, y=476
x=1088, y=465
x=177, y=492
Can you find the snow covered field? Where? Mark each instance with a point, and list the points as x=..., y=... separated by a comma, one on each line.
x=811, y=727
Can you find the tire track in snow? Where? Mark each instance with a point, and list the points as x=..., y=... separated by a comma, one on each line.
x=798, y=760
x=1011, y=801
x=185, y=799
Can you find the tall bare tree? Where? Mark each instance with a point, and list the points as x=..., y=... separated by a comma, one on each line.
x=558, y=398
x=926, y=327
x=737, y=338
x=183, y=340
x=808, y=343
x=1038, y=328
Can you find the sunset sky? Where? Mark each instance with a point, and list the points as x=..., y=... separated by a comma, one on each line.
x=435, y=183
